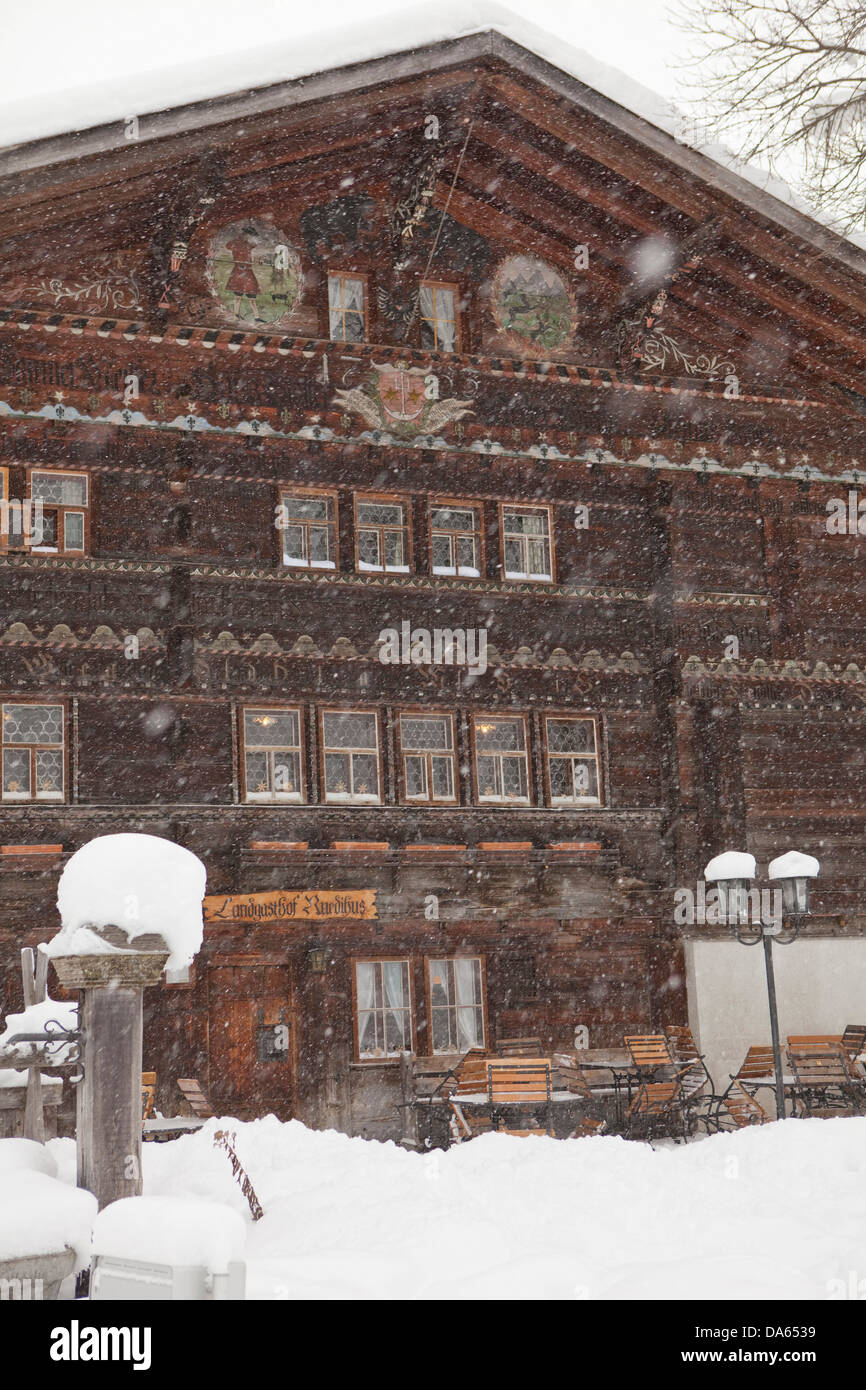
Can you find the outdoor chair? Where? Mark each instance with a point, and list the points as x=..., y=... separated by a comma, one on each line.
x=738, y=1106
x=469, y=1077
x=195, y=1097
x=649, y=1051
x=572, y=1078
x=825, y=1083
x=522, y=1084
x=699, y=1089
x=657, y=1108
x=519, y=1047
x=854, y=1039
x=148, y=1094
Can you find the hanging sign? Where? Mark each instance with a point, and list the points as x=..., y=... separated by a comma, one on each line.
x=301, y=905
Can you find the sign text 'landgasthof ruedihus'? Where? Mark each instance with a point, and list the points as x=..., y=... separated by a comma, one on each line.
x=290, y=906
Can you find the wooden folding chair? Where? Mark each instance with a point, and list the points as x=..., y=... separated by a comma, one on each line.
x=519, y=1047
x=195, y=1097
x=854, y=1039
x=572, y=1078
x=738, y=1106
x=826, y=1085
x=148, y=1094
x=520, y=1083
x=649, y=1051
x=657, y=1106
x=469, y=1077
x=699, y=1089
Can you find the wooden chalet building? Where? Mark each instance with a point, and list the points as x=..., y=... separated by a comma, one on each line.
x=434, y=460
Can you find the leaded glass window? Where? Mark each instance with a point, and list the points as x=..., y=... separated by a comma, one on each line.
x=33, y=752
x=308, y=527
x=427, y=749
x=59, y=526
x=350, y=745
x=572, y=761
x=272, y=755
x=501, y=760
x=382, y=528
x=455, y=540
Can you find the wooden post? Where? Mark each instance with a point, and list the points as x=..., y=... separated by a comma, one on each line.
x=34, y=977
x=109, y=1096
x=409, y=1137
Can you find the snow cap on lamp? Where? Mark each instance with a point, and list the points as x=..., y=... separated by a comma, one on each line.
x=793, y=870
x=730, y=865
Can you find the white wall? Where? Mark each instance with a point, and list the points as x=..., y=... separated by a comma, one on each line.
x=820, y=986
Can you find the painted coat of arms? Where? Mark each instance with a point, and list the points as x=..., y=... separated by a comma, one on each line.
x=402, y=400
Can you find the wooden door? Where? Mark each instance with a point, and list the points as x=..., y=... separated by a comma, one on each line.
x=252, y=1044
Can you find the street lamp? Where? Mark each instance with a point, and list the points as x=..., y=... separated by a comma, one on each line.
x=733, y=874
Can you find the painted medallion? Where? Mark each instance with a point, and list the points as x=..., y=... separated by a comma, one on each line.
x=254, y=273
x=532, y=304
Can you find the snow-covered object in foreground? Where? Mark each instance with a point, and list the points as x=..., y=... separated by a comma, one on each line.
x=172, y=1231
x=25, y=1154
x=794, y=865
x=140, y=883
x=731, y=864
x=35, y=1019
x=586, y=1219
x=39, y=1215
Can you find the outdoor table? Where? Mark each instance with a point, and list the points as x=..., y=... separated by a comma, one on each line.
x=171, y=1127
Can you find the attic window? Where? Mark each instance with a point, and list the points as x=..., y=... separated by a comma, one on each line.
x=438, y=305
x=347, y=308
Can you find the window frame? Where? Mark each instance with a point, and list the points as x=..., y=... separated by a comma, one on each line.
x=481, y=800
x=334, y=273
x=260, y=798
x=330, y=494
x=336, y=798
x=33, y=748
x=571, y=718
x=4, y=497
x=416, y=711
x=454, y=503
x=388, y=1058
x=428, y=989
x=394, y=499
x=454, y=288
x=61, y=509
x=528, y=507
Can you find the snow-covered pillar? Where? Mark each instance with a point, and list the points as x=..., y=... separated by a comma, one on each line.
x=130, y=904
x=109, y=1096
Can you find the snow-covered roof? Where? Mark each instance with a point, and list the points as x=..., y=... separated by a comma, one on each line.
x=417, y=27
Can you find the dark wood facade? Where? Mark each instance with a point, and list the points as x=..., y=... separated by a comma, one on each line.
x=683, y=448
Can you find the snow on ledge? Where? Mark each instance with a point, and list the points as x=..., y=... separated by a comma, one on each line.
x=141, y=883
x=731, y=864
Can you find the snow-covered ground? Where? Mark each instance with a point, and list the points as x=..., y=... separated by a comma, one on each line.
x=776, y=1212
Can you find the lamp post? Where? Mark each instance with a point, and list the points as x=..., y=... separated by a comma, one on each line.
x=733, y=874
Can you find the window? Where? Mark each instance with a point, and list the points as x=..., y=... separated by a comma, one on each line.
x=526, y=542
x=350, y=746
x=572, y=761
x=347, y=313
x=272, y=755
x=65, y=512
x=427, y=751
x=309, y=531
x=456, y=1003
x=455, y=539
x=382, y=527
x=383, y=1005
x=33, y=752
x=501, y=763
x=438, y=305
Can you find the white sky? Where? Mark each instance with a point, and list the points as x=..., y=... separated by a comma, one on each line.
x=53, y=45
